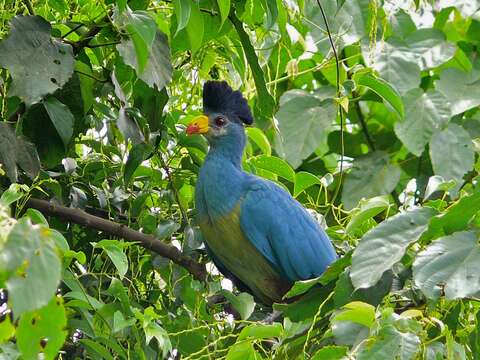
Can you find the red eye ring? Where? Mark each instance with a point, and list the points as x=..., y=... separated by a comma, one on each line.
x=220, y=121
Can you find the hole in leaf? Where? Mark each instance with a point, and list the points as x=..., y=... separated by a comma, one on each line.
x=43, y=343
x=53, y=80
x=61, y=51
x=34, y=321
x=57, y=62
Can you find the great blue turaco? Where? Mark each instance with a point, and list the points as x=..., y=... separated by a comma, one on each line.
x=255, y=232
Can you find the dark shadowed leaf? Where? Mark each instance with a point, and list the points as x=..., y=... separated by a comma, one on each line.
x=138, y=153
x=385, y=245
x=371, y=175
x=129, y=127
x=61, y=117
x=29, y=38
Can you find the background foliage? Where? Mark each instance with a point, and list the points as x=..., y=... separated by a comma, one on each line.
x=95, y=96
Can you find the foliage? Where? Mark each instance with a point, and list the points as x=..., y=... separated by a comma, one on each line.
x=94, y=99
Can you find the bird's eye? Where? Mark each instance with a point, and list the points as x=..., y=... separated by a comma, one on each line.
x=220, y=121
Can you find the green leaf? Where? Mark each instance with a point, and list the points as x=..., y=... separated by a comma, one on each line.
x=437, y=183
x=165, y=229
x=397, y=65
x=141, y=28
x=303, y=180
x=330, y=352
x=39, y=64
x=13, y=193
x=98, y=350
x=33, y=267
x=371, y=175
x=114, y=250
x=430, y=47
x=261, y=331
x=120, y=323
x=274, y=165
x=182, y=9
x=259, y=138
x=224, y=7
x=368, y=209
x=425, y=112
x=158, y=68
x=304, y=122
x=449, y=265
x=461, y=88
x=138, y=153
x=452, y=155
x=383, y=246
x=7, y=330
x=456, y=218
x=45, y=324
x=36, y=216
x=195, y=27
x=271, y=10
x=129, y=127
x=357, y=312
x=391, y=344
x=382, y=89
x=242, y=351
x=266, y=103
x=242, y=302
x=62, y=118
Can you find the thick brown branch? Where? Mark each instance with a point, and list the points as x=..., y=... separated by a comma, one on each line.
x=80, y=217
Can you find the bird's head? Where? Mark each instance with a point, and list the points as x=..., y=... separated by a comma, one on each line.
x=225, y=111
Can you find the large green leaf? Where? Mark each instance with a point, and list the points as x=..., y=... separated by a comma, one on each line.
x=382, y=89
x=38, y=63
x=430, y=48
x=114, y=250
x=242, y=302
x=182, y=12
x=62, y=118
x=371, y=175
x=224, y=7
x=451, y=152
x=391, y=343
x=43, y=331
x=158, y=68
x=274, y=165
x=368, y=209
x=32, y=265
x=425, y=112
x=397, y=65
x=450, y=266
x=304, y=122
x=137, y=154
x=195, y=27
x=461, y=88
x=384, y=246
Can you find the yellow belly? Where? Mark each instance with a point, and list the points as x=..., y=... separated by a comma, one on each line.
x=227, y=241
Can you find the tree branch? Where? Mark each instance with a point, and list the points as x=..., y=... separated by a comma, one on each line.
x=149, y=242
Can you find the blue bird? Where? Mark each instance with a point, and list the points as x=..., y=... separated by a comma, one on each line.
x=256, y=233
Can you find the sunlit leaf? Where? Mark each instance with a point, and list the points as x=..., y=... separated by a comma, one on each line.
x=385, y=245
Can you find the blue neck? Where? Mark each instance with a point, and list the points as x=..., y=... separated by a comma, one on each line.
x=228, y=148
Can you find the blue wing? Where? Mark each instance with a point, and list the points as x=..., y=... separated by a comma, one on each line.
x=284, y=232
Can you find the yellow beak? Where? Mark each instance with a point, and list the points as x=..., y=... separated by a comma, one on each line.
x=199, y=125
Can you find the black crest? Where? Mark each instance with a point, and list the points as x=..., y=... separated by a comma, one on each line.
x=219, y=97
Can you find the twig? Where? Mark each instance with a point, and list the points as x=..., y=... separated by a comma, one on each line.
x=174, y=189
x=72, y=30
x=149, y=242
x=105, y=44
x=337, y=68
x=361, y=119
